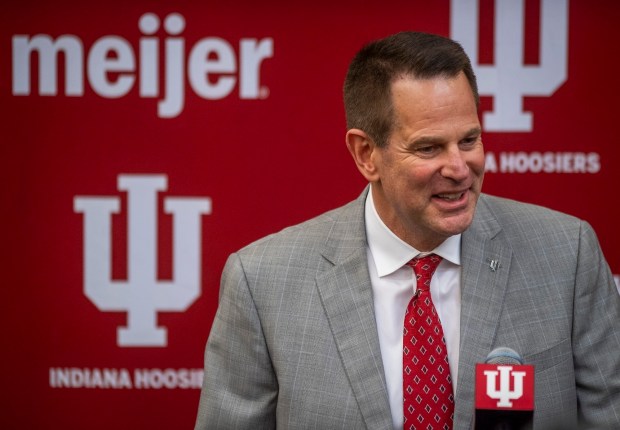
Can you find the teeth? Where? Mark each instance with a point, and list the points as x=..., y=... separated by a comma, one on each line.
x=450, y=196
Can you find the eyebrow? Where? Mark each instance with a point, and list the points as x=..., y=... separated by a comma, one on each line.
x=473, y=131
x=426, y=140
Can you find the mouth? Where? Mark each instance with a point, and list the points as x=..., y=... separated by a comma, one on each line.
x=450, y=197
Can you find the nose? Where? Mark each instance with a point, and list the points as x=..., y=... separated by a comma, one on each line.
x=455, y=165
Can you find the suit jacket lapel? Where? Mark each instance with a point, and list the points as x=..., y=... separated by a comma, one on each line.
x=486, y=261
x=346, y=294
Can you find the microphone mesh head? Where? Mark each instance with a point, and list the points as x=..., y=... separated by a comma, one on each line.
x=503, y=355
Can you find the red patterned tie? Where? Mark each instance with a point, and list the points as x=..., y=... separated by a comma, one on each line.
x=427, y=385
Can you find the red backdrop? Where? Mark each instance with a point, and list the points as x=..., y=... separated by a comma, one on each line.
x=259, y=132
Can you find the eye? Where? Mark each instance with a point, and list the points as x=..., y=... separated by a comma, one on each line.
x=426, y=149
x=470, y=141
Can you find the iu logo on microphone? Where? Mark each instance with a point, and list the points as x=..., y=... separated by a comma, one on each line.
x=504, y=386
x=142, y=296
x=509, y=80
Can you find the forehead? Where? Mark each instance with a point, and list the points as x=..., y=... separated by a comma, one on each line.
x=408, y=89
x=433, y=99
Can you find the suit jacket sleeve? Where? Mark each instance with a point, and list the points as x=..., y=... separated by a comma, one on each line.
x=240, y=393
x=596, y=336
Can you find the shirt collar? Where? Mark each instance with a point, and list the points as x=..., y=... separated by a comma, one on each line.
x=390, y=253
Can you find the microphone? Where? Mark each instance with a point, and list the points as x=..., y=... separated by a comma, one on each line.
x=504, y=392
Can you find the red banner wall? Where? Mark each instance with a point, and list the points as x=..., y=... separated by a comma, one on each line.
x=142, y=142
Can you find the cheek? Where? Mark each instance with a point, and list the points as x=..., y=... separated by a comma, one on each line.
x=476, y=162
x=422, y=175
x=409, y=178
x=406, y=181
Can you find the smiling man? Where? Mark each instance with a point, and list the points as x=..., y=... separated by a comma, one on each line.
x=373, y=315
x=426, y=180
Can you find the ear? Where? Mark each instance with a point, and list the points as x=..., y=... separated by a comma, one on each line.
x=363, y=150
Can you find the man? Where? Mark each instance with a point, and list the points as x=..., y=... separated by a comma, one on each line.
x=309, y=330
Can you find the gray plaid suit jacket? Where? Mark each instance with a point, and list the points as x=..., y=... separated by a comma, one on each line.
x=294, y=343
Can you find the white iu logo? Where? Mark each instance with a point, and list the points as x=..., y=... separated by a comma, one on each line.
x=142, y=295
x=509, y=80
x=504, y=395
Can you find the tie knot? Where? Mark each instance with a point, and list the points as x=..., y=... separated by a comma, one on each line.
x=424, y=267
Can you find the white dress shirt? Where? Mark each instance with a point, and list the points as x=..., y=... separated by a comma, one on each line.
x=393, y=287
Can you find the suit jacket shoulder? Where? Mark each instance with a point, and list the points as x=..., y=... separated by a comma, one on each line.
x=333, y=235
x=518, y=217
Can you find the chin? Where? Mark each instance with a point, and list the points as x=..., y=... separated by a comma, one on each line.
x=450, y=227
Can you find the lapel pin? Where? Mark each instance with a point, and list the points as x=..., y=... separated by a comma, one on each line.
x=493, y=265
